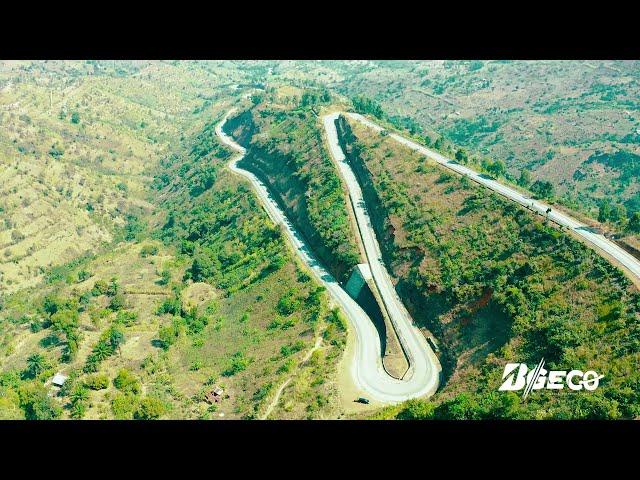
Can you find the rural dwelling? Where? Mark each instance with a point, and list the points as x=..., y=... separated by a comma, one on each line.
x=59, y=379
x=215, y=395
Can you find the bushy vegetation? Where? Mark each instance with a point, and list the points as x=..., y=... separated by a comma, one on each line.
x=511, y=111
x=297, y=167
x=495, y=277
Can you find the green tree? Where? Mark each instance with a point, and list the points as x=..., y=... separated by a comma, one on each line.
x=148, y=250
x=463, y=407
x=123, y=406
x=416, y=410
x=634, y=223
x=36, y=403
x=116, y=338
x=65, y=321
x=96, y=382
x=365, y=105
x=525, y=178
x=543, y=189
x=36, y=364
x=604, y=212
x=165, y=277
x=75, y=117
x=619, y=214
x=239, y=362
x=126, y=382
x=497, y=168
x=99, y=288
x=79, y=394
x=461, y=156
x=167, y=336
x=102, y=351
x=134, y=227
x=51, y=304
x=202, y=267
x=117, y=303
x=149, y=408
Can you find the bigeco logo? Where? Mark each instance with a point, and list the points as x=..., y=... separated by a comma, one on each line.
x=539, y=378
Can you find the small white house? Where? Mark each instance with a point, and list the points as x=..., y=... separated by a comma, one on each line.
x=59, y=379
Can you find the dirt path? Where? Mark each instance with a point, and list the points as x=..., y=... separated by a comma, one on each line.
x=276, y=398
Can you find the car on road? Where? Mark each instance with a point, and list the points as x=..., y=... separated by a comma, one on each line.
x=363, y=400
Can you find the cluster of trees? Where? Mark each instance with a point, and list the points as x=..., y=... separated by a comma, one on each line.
x=625, y=162
x=530, y=268
x=148, y=250
x=135, y=227
x=465, y=406
x=293, y=160
x=128, y=402
x=62, y=317
x=184, y=320
x=365, y=105
x=311, y=97
x=543, y=189
x=239, y=362
x=616, y=213
x=108, y=344
x=288, y=303
x=496, y=168
x=525, y=178
x=222, y=253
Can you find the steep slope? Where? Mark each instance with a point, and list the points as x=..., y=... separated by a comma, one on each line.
x=203, y=293
x=285, y=149
x=495, y=284
x=552, y=118
x=77, y=140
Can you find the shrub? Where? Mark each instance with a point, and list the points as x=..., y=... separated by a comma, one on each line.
x=239, y=363
x=126, y=317
x=97, y=382
x=126, y=382
x=149, y=408
x=168, y=336
x=287, y=350
x=99, y=288
x=287, y=304
x=123, y=406
x=148, y=250
x=165, y=277
x=117, y=303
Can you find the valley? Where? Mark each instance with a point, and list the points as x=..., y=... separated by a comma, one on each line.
x=316, y=240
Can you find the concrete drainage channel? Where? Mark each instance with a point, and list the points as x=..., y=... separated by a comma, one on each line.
x=363, y=290
x=366, y=367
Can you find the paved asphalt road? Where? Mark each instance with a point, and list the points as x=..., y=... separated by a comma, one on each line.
x=422, y=361
x=366, y=366
x=603, y=244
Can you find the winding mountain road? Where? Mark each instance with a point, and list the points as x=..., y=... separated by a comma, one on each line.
x=366, y=367
x=601, y=243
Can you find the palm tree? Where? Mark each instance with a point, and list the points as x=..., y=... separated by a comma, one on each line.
x=79, y=394
x=36, y=364
x=102, y=351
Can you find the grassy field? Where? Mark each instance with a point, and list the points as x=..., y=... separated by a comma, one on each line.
x=133, y=261
x=76, y=146
x=177, y=284
x=573, y=123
